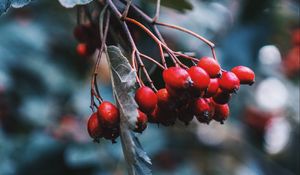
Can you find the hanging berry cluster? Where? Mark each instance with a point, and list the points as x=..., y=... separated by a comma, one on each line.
x=201, y=89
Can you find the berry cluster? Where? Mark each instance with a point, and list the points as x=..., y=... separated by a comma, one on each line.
x=202, y=91
x=105, y=122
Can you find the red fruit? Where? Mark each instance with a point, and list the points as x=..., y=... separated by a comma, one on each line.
x=111, y=134
x=108, y=115
x=221, y=97
x=93, y=126
x=164, y=99
x=221, y=113
x=141, y=123
x=200, y=80
x=211, y=66
x=212, y=88
x=229, y=82
x=244, y=74
x=146, y=99
x=153, y=117
x=202, y=110
x=296, y=37
x=177, y=78
x=84, y=49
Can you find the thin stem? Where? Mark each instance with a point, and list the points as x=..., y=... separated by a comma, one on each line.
x=80, y=15
x=152, y=60
x=175, y=60
x=162, y=56
x=128, y=34
x=186, y=56
x=157, y=32
x=94, y=87
x=209, y=43
x=125, y=13
x=155, y=18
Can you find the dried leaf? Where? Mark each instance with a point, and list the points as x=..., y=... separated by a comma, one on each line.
x=123, y=80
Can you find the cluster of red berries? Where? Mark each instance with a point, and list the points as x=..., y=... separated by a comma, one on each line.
x=85, y=35
x=105, y=122
x=202, y=91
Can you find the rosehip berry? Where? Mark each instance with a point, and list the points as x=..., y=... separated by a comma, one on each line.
x=244, y=74
x=221, y=97
x=221, y=113
x=141, y=123
x=111, y=134
x=202, y=110
x=93, y=126
x=146, y=99
x=200, y=80
x=108, y=115
x=177, y=78
x=212, y=88
x=211, y=66
x=229, y=82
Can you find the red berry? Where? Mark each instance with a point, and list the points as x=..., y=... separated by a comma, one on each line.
x=93, y=126
x=212, y=88
x=111, y=134
x=84, y=49
x=211, y=66
x=153, y=117
x=141, y=123
x=296, y=37
x=221, y=97
x=177, y=78
x=202, y=110
x=244, y=74
x=200, y=80
x=108, y=115
x=164, y=99
x=146, y=99
x=221, y=113
x=229, y=82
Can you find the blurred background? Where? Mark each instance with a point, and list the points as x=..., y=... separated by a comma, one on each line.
x=45, y=96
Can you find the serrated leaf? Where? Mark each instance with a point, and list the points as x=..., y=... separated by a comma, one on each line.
x=123, y=81
x=5, y=4
x=72, y=3
x=179, y=5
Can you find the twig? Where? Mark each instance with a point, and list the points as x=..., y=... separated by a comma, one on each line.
x=94, y=87
x=155, y=18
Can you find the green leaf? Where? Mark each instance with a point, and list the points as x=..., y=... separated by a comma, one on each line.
x=124, y=81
